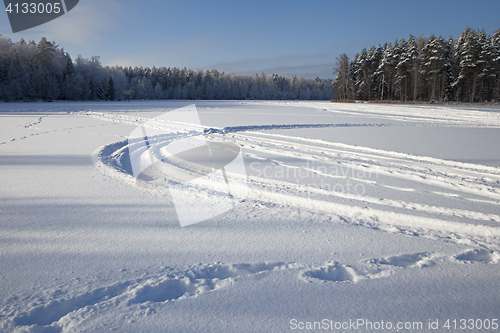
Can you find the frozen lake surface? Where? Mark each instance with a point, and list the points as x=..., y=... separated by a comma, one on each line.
x=354, y=213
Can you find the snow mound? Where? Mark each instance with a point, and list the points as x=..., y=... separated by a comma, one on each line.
x=335, y=272
x=479, y=255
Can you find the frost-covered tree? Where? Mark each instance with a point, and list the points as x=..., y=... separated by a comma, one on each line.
x=362, y=75
x=485, y=68
x=467, y=69
x=495, y=65
x=34, y=71
x=386, y=70
x=467, y=52
x=404, y=68
x=435, y=62
x=341, y=82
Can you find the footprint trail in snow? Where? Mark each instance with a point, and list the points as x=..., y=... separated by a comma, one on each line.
x=59, y=314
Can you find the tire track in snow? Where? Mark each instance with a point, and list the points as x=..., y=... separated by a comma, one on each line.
x=463, y=233
x=445, y=116
x=234, y=129
x=469, y=179
x=444, y=173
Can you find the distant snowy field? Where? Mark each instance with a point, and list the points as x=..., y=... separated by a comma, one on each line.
x=359, y=217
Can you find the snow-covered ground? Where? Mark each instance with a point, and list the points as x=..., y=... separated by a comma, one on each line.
x=358, y=218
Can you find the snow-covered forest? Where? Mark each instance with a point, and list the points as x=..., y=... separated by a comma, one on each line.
x=44, y=71
x=424, y=69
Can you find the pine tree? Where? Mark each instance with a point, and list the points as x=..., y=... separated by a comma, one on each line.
x=47, y=71
x=387, y=69
x=434, y=67
x=467, y=52
x=45, y=52
x=405, y=67
x=484, y=66
x=100, y=93
x=495, y=64
x=448, y=76
x=110, y=93
x=362, y=75
x=69, y=70
x=375, y=55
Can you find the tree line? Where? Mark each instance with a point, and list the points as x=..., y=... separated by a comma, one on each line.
x=31, y=71
x=424, y=69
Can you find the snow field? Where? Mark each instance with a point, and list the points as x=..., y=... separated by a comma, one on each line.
x=85, y=247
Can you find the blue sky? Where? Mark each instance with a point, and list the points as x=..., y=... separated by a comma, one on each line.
x=286, y=37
